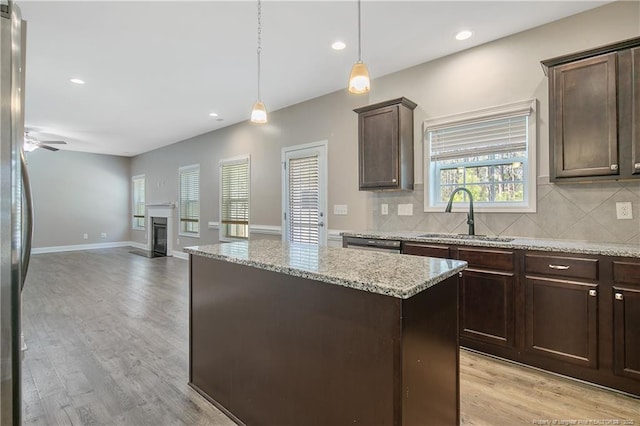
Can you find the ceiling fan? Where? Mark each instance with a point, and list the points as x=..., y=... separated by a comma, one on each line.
x=31, y=144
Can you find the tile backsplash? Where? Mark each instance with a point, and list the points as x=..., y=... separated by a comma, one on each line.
x=584, y=212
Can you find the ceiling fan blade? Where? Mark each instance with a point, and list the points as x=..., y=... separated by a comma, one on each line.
x=50, y=148
x=54, y=142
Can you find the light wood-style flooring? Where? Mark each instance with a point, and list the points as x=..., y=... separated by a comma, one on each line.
x=107, y=333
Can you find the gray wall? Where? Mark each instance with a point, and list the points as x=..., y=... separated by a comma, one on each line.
x=76, y=193
x=496, y=73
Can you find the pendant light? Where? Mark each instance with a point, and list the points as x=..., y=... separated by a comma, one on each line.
x=259, y=111
x=359, y=81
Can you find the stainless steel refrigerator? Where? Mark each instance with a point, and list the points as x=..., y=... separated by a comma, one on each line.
x=15, y=209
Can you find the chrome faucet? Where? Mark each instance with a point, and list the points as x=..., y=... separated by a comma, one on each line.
x=472, y=230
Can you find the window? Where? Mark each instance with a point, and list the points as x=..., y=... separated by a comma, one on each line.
x=234, y=198
x=190, y=200
x=138, y=202
x=489, y=152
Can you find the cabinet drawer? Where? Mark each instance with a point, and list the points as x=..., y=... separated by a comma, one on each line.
x=626, y=272
x=500, y=260
x=428, y=250
x=567, y=267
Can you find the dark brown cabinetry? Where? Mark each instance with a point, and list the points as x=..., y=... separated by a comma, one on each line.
x=573, y=314
x=561, y=312
x=626, y=319
x=427, y=250
x=385, y=145
x=592, y=119
x=486, y=296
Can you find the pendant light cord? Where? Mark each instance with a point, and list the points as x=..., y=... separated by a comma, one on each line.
x=359, y=35
x=259, y=43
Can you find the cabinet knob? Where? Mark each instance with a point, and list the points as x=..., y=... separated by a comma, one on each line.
x=394, y=180
x=619, y=296
x=614, y=167
x=593, y=293
x=460, y=274
x=636, y=166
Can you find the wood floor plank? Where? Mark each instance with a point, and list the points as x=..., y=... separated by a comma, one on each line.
x=107, y=333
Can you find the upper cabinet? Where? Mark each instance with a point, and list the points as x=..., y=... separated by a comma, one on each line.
x=385, y=145
x=594, y=106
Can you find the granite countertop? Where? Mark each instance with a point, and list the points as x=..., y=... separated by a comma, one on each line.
x=383, y=273
x=559, y=246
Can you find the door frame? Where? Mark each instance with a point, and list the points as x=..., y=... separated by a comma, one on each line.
x=304, y=150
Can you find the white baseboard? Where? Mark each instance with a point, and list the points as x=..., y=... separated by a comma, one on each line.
x=141, y=246
x=77, y=247
x=180, y=255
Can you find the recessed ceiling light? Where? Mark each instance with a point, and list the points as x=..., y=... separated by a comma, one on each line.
x=338, y=45
x=213, y=114
x=463, y=35
x=76, y=81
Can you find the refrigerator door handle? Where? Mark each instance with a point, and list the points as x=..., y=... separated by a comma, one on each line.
x=27, y=228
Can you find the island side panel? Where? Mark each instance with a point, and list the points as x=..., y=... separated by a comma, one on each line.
x=431, y=362
x=272, y=348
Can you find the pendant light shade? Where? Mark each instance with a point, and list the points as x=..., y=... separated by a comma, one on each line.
x=359, y=81
x=259, y=111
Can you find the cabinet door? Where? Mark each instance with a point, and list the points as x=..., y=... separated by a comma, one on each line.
x=626, y=331
x=486, y=307
x=561, y=320
x=583, y=118
x=379, y=150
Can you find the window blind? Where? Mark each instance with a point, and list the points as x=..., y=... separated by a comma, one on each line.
x=138, y=202
x=235, y=199
x=508, y=134
x=304, y=199
x=190, y=199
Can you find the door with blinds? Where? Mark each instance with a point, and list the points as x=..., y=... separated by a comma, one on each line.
x=304, y=193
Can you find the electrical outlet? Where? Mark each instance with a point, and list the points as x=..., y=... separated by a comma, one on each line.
x=384, y=209
x=624, y=210
x=405, y=209
x=178, y=241
x=103, y=235
x=85, y=236
x=340, y=209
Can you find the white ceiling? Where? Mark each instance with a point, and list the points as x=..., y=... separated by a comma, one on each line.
x=155, y=70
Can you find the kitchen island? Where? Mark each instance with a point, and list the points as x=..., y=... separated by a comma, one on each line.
x=293, y=334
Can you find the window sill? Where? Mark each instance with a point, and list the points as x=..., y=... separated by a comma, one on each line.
x=479, y=209
x=189, y=235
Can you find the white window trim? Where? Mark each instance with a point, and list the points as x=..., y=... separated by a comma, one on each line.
x=133, y=201
x=227, y=161
x=322, y=147
x=502, y=111
x=180, y=170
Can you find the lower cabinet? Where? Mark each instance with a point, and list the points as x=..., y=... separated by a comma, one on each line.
x=487, y=296
x=626, y=319
x=573, y=314
x=562, y=320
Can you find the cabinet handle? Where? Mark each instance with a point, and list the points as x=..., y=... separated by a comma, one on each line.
x=614, y=167
x=619, y=296
x=394, y=180
x=593, y=293
x=460, y=274
x=559, y=267
x=636, y=166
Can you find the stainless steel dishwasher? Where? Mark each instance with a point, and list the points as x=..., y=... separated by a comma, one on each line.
x=372, y=244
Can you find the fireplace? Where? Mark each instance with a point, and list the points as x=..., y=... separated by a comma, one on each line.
x=154, y=212
x=159, y=236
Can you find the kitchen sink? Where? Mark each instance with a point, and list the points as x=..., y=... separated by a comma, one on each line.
x=468, y=237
